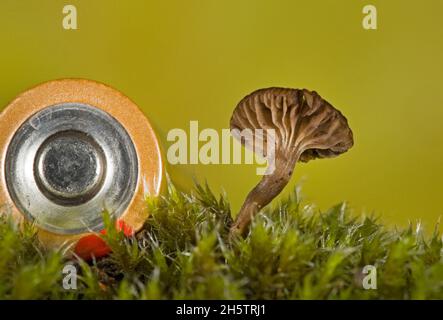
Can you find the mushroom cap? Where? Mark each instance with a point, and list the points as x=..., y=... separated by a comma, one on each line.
x=304, y=123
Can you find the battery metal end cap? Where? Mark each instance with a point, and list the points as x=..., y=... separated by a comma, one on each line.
x=72, y=148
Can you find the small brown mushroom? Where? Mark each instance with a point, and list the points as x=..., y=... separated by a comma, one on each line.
x=306, y=127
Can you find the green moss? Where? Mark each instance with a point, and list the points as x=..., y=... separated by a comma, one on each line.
x=183, y=252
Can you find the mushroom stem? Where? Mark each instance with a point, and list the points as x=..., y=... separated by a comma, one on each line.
x=307, y=127
x=263, y=193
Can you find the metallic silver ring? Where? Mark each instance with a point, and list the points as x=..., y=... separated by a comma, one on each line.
x=68, y=163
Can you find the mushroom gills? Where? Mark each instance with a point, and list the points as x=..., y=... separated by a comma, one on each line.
x=307, y=127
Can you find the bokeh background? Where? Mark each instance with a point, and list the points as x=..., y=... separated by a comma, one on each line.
x=195, y=59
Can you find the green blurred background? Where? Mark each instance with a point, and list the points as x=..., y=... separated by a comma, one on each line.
x=195, y=59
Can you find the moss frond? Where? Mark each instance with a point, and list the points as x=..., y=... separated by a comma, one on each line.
x=291, y=252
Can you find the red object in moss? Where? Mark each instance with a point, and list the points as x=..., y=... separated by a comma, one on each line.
x=94, y=246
